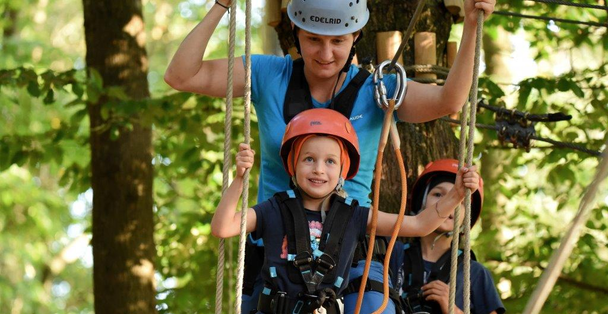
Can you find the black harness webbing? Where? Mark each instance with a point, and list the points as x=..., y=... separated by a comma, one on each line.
x=414, y=273
x=305, y=269
x=298, y=98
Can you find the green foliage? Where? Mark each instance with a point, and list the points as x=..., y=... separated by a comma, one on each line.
x=539, y=193
x=45, y=195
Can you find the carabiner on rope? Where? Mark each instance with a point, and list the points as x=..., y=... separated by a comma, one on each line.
x=380, y=88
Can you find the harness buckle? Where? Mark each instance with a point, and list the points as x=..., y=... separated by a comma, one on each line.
x=279, y=302
x=325, y=261
x=302, y=258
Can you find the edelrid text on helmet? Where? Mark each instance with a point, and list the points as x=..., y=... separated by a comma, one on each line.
x=329, y=17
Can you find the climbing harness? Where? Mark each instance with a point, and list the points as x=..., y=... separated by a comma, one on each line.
x=298, y=98
x=309, y=268
x=414, y=273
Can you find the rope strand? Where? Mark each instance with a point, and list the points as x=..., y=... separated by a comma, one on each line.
x=571, y=4
x=247, y=134
x=527, y=16
x=227, y=155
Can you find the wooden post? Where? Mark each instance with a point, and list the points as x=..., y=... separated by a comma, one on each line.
x=460, y=16
x=454, y=6
x=425, y=52
x=273, y=12
x=387, y=44
x=452, y=50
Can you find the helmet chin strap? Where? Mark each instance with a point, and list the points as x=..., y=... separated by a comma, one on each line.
x=324, y=199
x=447, y=234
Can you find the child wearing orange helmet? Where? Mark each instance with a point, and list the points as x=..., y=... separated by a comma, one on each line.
x=421, y=267
x=304, y=267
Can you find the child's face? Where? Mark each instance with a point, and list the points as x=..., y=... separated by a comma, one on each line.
x=435, y=194
x=318, y=167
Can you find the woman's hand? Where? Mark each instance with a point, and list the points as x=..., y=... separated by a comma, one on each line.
x=471, y=8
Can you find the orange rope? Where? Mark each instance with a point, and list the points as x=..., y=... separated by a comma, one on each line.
x=397, y=147
x=387, y=126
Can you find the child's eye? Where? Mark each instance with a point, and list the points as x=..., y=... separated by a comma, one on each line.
x=338, y=41
x=308, y=159
x=437, y=194
x=331, y=161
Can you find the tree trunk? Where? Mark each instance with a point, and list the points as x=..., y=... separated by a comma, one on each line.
x=420, y=143
x=123, y=245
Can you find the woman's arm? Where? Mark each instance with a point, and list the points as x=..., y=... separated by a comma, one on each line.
x=425, y=102
x=226, y=221
x=189, y=72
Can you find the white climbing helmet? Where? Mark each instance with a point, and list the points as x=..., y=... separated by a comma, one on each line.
x=329, y=17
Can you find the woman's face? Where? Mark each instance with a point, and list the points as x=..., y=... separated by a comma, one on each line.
x=324, y=56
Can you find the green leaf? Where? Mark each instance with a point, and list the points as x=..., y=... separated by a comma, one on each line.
x=33, y=88
x=95, y=78
x=77, y=89
x=77, y=117
x=50, y=97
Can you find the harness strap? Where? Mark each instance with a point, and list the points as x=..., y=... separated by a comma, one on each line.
x=298, y=237
x=298, y=98
x=277, y=302
x=308, y=270
x=380, y=246
x=413, y=267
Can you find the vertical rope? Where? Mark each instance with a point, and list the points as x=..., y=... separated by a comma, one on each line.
x=559, y=257
x=467, y=200
x=219, y=293
x=456, y=238
x=247, y=131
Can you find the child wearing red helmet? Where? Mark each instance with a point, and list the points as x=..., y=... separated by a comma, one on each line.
x=310, y=233
x=421, y=267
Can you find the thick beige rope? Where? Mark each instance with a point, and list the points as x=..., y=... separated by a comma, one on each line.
x=227, y=155
x=467, y=200
x=247, y=131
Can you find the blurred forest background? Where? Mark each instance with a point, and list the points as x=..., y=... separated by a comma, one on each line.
x=46, y=198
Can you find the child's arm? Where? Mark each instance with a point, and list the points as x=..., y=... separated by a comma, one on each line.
x=431, y=218
x=226, y=221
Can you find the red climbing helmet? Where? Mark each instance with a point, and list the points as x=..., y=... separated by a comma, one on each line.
x=323, y=122
x=436, y=168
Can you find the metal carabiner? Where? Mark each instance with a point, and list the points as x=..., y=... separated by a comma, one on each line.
x=380, y=93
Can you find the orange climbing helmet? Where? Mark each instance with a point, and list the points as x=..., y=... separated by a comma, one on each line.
x=320, y=121
x=447, y=168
